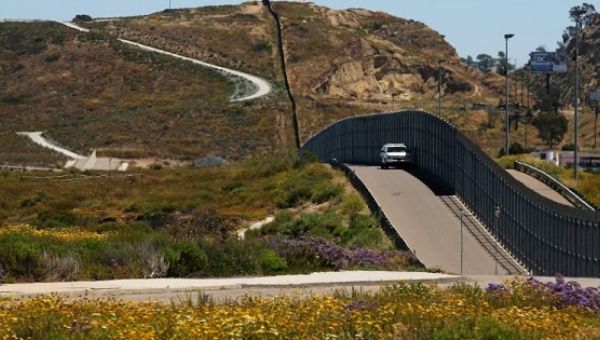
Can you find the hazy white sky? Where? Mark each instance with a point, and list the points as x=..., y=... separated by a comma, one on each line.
x=472, y=26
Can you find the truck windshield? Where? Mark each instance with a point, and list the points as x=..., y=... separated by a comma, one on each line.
x=396, y=149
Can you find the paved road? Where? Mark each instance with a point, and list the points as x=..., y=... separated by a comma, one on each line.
x=226, y=289
x=37, y=138
x=155, y=286
x=425, y=223
x=263, y=87
x=539, y=187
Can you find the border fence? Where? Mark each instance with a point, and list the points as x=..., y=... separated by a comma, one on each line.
x=546, y=237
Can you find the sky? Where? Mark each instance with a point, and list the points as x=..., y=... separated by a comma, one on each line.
x=471, y=26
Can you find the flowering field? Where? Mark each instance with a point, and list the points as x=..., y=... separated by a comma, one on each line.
x=184, y=222
x=518, y=310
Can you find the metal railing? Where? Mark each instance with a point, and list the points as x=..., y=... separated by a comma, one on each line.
x=553, y=183
x=545, y=236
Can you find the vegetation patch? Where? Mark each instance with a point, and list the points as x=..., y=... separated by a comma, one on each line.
x=181, y=222
x=516, y=310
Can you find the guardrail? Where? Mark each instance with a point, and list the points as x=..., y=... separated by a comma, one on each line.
x=557, y=186
x=545, y=236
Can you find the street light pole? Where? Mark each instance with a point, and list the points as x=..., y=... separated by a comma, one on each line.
x=461, y=243
x=506, y=116
x=440, y=61
x=528, y=118
x=575, y=153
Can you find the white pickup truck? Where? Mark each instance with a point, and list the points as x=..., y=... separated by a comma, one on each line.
x=395, y=154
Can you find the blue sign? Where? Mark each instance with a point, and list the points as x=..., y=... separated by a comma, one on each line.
x=547, y=62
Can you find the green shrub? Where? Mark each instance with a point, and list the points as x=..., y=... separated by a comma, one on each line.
x=56, y=219
x=303, y=158
x=488, y=328
x=326, y=191
x=233, y=257
x=262, y=46
x=363, y=232
x=312, y=182
x=351, y=204
x=185, y=258
x=271, y=262
x=156, y=214
x=20, y=256
x=32, y=201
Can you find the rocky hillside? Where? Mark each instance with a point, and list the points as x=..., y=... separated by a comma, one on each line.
x=340, y=63
x=90, y=91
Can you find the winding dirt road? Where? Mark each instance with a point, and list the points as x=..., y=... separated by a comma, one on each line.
x=262, y=87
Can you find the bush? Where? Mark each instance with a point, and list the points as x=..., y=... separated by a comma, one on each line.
x=351, y=204
x=262, y=46
x=363, y=232
x=20, y=256
x=185, y=258
x=516, y=148
x=82, y=18
x=271, y=262
x=233, y=257
x=56, y=219
x=568, y=147
x=325, y=191
x=59, y=267
x=311, y=182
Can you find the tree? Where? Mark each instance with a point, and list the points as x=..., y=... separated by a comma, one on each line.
x=578, y=14
x=585, y=12
x=82, y=18
x=470, y=60
x=551, y=127
x=485, y=61
x=501, y=64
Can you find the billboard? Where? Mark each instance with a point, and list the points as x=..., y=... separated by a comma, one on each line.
x=547, y=62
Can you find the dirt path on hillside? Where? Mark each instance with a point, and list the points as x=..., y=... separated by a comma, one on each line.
x=261, y=86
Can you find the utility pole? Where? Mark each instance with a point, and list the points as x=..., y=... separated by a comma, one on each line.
x=528, y=118
x=460, y=212
x=506, y=116
x=575, y=153
x=440, y=61
x=596, y=126
x=169, y=4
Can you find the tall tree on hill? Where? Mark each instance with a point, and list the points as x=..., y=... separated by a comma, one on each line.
x=501, y=64
x=582, y=14
x=485, y=61
x=551, y=127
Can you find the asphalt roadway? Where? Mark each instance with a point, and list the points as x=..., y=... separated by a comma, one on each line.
x=425, y=223
x=231, y=289
x=539, y=187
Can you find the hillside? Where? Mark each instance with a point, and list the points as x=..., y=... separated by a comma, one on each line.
x=89, y=91
x=562, y=85
x=340, y=63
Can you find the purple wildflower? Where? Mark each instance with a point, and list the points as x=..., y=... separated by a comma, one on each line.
x=572, y=294
x=495, y=287
x=335, y=256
